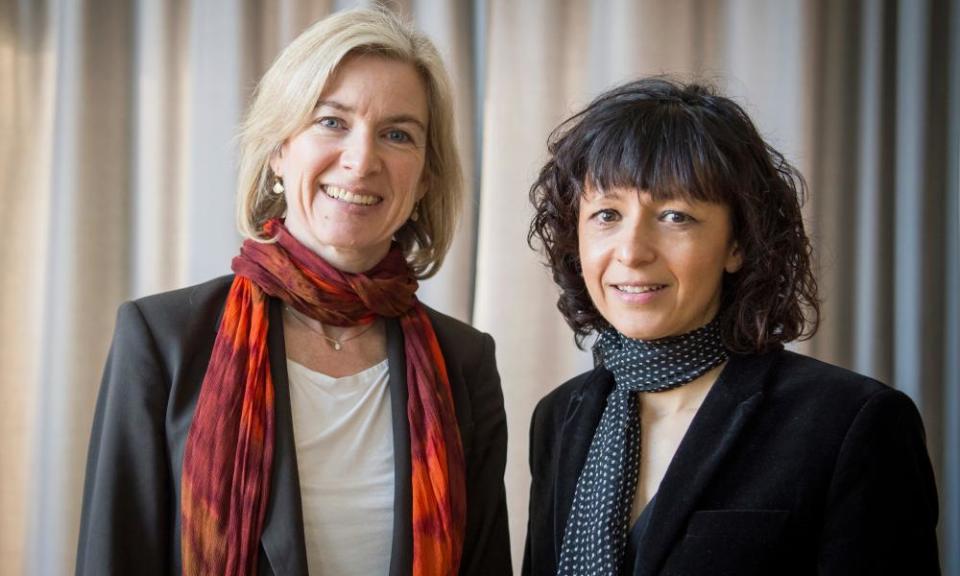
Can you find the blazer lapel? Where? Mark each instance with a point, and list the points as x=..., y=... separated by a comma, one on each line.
x=580, y=422
x=401, y=556
x=282, y=537
x=727, y=408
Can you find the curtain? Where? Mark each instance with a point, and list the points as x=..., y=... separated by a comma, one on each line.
x=117, y=154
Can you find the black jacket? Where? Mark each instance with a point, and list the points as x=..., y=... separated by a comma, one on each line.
x=130, y=522
x=791, y=466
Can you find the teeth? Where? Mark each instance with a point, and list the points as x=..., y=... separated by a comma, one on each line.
x=348, y=196
x=638, y=289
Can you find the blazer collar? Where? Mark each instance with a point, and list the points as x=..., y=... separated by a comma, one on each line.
x=584, y=409
x=401, y=555
x=282, y=537
x=716, y=427
x=718, y=423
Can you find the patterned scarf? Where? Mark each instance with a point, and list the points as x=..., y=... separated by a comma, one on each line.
x=229, y=452
x=596, y=534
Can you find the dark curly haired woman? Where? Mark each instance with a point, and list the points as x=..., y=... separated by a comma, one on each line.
x=698, y=445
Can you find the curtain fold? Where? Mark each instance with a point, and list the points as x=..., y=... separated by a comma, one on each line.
x=83, y=227
x=533, y=77
x=26, y=67
x=118, y=122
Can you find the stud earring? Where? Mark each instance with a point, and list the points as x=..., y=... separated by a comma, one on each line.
x=415, y=215
x=278, y=186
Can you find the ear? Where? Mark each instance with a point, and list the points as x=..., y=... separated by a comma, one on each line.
x=276, y=160
x=423, y=186
x=734, y=259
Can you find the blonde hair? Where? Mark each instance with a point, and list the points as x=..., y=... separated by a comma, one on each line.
x=285, y=100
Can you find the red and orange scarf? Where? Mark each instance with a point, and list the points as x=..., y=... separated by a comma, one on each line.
x=229, y=452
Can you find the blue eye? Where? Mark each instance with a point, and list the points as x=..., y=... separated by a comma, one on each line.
x=329, y=122
x=398, y=136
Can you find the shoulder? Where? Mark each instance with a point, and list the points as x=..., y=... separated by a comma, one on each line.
x=559, y=397
x=177, y=304
x=552, y=408
x=802, y=368
x=177, y=307
x=455, y=331
x=802, y=379
x=469, y=356
x=177, y=320
x=460, y=342
x=811, y=400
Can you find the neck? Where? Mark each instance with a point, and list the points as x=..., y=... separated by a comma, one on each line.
x=685, y=398
x=350, y=260
x=345, y=259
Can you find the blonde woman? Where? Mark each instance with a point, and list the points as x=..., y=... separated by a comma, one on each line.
x=308, y=414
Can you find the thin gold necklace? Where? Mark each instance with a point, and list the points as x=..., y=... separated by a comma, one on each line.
x=337, y=345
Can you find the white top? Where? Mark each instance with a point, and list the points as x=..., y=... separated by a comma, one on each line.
x=344, y=438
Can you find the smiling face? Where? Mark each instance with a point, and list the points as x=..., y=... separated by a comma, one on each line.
x=654, y=268
x=352, y=176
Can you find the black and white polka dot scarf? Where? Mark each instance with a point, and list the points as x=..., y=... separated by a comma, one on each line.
x=596, y=535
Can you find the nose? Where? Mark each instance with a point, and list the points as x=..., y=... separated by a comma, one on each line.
x=360, y=155
x=636, y=245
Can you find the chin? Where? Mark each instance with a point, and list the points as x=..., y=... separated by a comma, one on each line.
x=641, y=333
x=638, y=326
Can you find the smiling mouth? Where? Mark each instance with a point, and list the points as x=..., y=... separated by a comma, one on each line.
x=639, y=288
x=349, y=197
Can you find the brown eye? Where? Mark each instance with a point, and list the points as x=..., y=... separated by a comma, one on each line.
x=606, y=216
x=676, y=217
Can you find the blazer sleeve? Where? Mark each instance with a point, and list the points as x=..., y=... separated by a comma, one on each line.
x=125, y=525
x=881, y=512
x=486, y=549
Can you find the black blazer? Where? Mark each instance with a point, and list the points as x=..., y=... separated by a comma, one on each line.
x=791, y=466
x=130, y=522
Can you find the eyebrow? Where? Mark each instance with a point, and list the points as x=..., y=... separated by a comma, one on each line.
x=395, y=119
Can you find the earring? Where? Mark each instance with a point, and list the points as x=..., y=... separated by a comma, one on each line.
x=278, y=186
x=415, y=215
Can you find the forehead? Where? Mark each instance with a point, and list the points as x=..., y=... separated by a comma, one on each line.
x=618, y=192
x=374, y=84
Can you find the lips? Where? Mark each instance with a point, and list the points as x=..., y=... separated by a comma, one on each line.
x=639, y=288
x=349, y=197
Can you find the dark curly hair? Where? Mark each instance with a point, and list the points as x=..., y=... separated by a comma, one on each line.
x=685, y=141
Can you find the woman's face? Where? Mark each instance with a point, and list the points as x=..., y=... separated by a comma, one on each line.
x=654, y=269
x=353, y=175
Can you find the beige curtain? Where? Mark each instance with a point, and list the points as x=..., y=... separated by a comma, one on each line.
x=117, y=157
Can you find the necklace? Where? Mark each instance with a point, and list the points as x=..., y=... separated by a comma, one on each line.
x=334, y=343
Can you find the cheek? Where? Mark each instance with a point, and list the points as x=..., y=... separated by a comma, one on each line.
x=309, y=158
x=590, y=266
x=413, y=173
x=704, y=272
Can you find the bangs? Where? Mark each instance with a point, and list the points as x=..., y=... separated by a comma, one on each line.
x=660, y=148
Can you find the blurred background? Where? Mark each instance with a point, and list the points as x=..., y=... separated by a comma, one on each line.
x=117, y=163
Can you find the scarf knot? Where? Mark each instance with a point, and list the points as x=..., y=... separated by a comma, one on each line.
x=658, y=365
x=298, y=276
